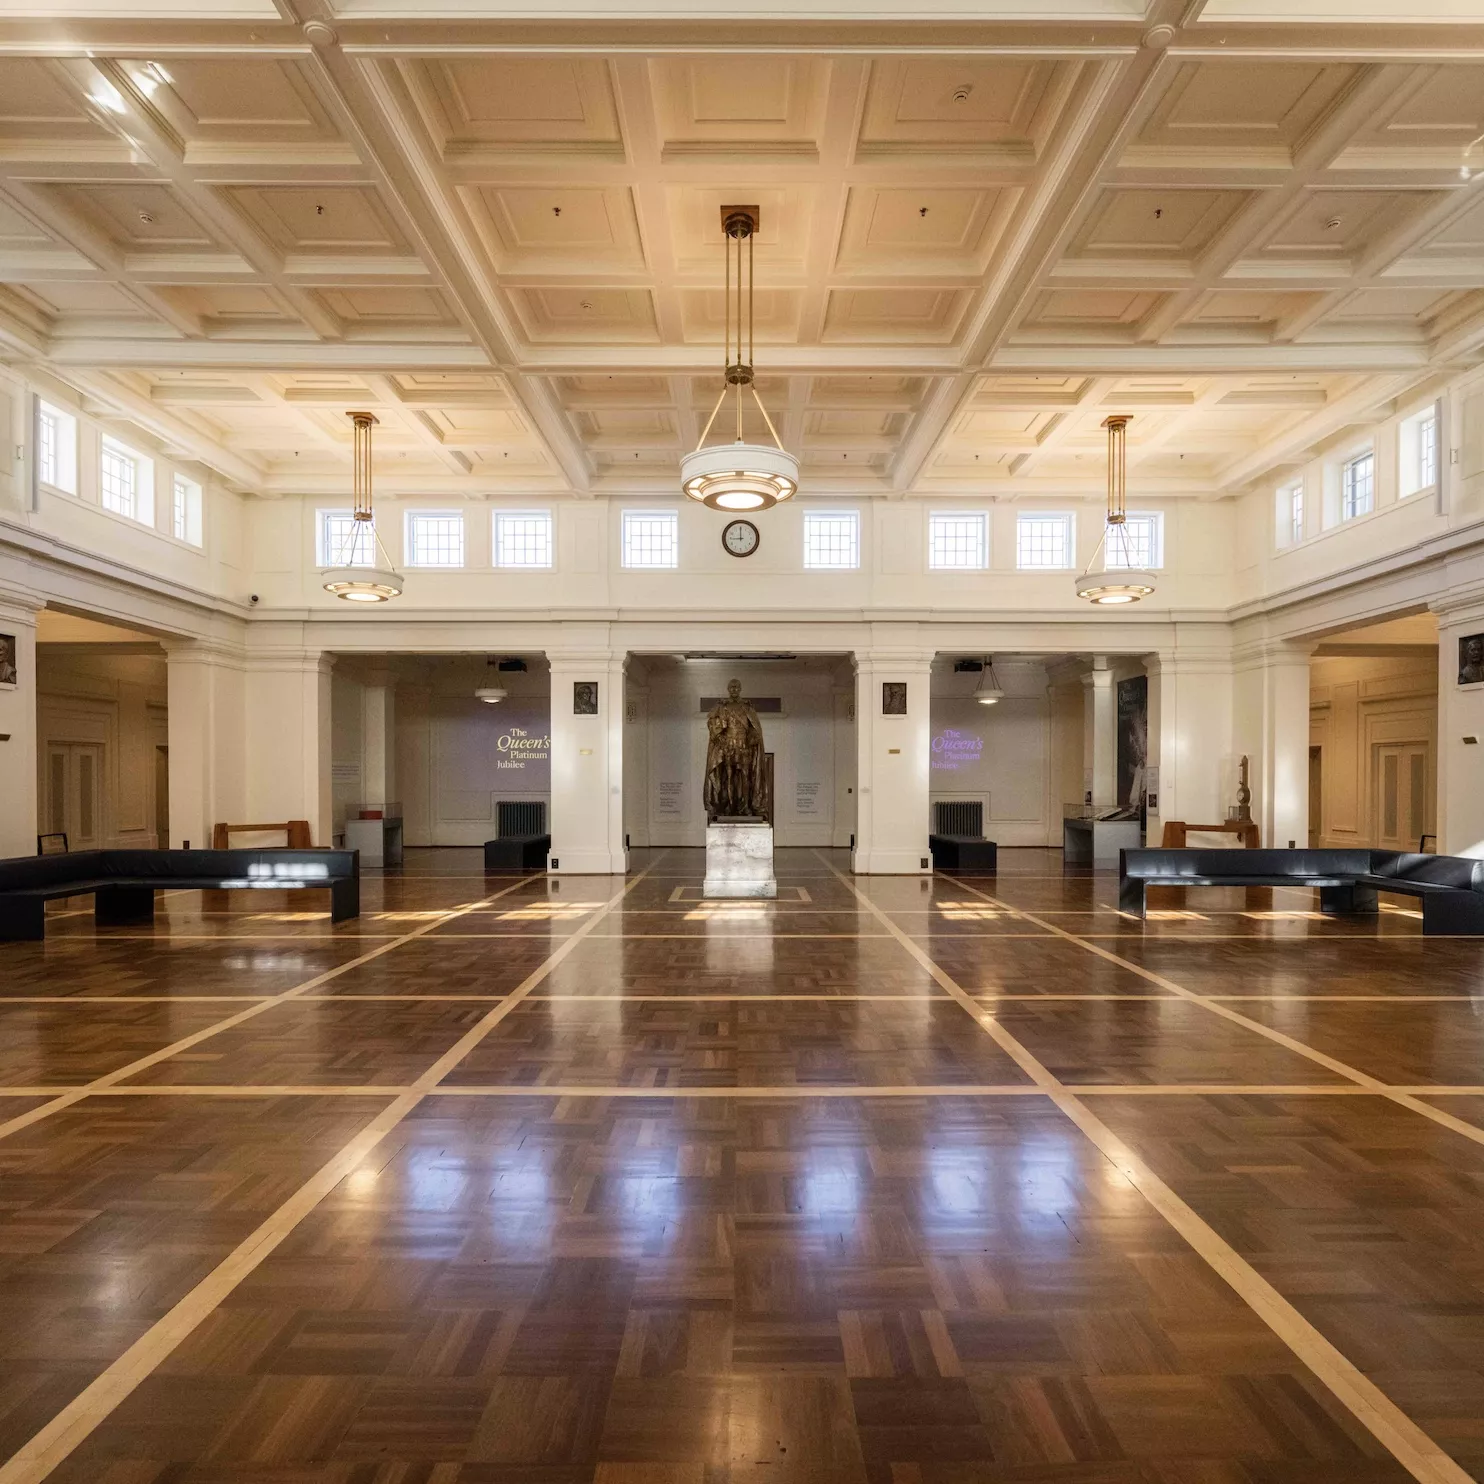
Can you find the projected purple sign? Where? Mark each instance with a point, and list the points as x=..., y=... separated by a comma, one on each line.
x=953, y=749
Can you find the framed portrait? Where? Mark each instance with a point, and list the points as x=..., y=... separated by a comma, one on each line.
x=584, y=698
x=10, y=675
x=1470, y=659
x=893, y=697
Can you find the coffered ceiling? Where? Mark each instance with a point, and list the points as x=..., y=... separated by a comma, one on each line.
x=1247, y=224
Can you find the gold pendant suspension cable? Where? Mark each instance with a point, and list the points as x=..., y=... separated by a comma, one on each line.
x=1117, y=467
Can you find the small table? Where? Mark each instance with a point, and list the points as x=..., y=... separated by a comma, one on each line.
x=378, y=840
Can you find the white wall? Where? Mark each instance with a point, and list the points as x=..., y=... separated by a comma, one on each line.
x=812, y=743
x=118, y=701
x=1357, y=704
x=1003, y=755
x=451, y=770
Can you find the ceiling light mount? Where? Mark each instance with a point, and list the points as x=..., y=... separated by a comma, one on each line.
x=989, y=691
x=1118, y=580
x=739, y=475
x=376, y=581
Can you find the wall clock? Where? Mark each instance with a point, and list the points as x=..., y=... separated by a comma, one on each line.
x=740, y=538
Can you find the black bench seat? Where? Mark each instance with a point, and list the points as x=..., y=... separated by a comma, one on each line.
x=964, y=853
x=1450, y=888
x=517, y=853
x=123, y=883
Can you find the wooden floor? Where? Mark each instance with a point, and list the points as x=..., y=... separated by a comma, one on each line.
x=920, y=1182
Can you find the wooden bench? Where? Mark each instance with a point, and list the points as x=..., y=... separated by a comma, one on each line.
x=1176, y=831
x=297, y=831
x=1450, y=888
x=123, y=883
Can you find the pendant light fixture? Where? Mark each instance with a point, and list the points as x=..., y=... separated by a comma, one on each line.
x=989, y=690
x=378, y=583
x=491, y=692
x=739, y=476
x=1110, y=585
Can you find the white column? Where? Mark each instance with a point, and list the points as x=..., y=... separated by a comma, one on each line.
x=1460, y=811
x=19, y=825
x=891, y=835
x=1270, y=726
x=1190, y=727
x=205, y=723
x=587, y=765
x=1100, y=734
x=288, y=739
x=379, y=741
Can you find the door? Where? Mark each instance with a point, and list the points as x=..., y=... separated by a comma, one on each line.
x=1316, y=796
x=1399, y=795
x=162, y=798
x=74, y=793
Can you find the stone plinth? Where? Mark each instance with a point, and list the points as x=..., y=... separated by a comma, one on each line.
x=739, y=860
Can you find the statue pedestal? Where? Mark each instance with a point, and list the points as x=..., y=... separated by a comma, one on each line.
x=739, y=860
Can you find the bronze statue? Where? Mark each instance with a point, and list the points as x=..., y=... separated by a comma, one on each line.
x=735, y=786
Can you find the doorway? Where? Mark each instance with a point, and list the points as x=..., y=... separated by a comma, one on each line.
x=1399, y=794
x=1316, y=796
x=162, y=798
x=74, y=794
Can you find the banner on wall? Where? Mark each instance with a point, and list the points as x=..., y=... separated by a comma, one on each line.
x=1133, y=738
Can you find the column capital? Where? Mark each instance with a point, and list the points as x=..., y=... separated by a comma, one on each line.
x=1459, y=608
x=19, y=605
x=306, y=661
x=893, y=659
x=1261, y=653
x=203, y=652
x=578, y=659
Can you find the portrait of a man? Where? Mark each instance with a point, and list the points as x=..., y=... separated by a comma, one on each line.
x=584, y=698
x=9, y=674
x=1471, y=660
x=894, y=698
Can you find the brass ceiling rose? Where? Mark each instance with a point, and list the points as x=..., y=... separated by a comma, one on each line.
x=739, y=476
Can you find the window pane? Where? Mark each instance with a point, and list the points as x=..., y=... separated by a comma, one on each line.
x=345, y=541
x=1427, y=450
x=435, y=540
x=1357, y=486
x=1296, y=513
x=958, y=542
x=651, y=538
x=1043, y=542
x=119, y=480
x=523, y=538
x=47, y=436
x=832, y=539
x=1138, y=545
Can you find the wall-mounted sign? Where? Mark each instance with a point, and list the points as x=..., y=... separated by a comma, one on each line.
x=954, y=748
x=669, y=798
x=806, y=798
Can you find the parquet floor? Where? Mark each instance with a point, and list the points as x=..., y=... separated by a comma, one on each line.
x=967, y=1181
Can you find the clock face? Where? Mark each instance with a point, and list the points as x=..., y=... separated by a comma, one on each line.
x=740, y=538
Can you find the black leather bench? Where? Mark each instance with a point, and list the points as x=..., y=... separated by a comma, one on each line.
x=966, y=854
x=123, y=883
x=517, y=853
x=1450, y=887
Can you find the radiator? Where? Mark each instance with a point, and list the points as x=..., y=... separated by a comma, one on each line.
x=521, y=817
x=959, y=817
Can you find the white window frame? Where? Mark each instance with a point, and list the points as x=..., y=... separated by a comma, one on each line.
x=501, y=553
x=1350, y=507
x=1418, y=451
x=63, y=425
x=1290, y=512
x=831, y=554
x=978, y=519
x=140, y=506
x=186, y=503
x=1114, y=549
x=411, y=554
x=329, y=551
x=628, y=531
x=1069, y=521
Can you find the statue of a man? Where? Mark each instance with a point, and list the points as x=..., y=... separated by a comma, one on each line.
x=735, y=784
